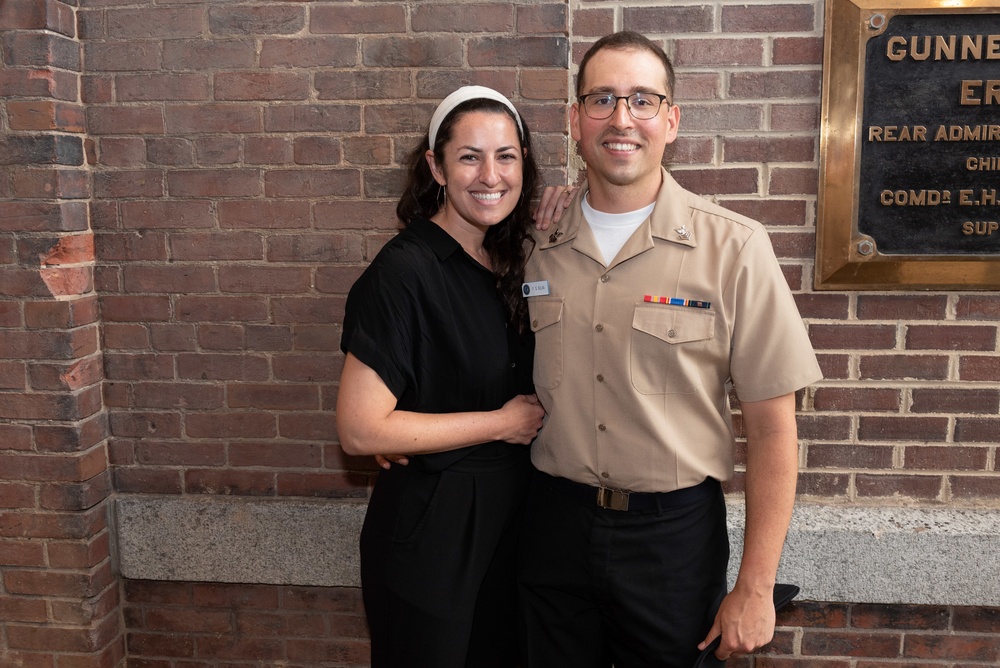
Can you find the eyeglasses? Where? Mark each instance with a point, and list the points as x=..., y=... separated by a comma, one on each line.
x=642, y=106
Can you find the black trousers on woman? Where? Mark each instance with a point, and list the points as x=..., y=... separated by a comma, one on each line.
x=438, y=556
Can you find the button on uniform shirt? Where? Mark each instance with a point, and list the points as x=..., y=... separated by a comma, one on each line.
x=428, y=320
x=636, y=387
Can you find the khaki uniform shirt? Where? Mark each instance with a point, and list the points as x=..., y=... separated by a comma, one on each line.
x=637, y=391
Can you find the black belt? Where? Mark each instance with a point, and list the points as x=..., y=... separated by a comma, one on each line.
x=628, y=501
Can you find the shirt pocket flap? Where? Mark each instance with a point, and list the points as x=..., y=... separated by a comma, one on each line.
x=675, y=324
x=544, y=312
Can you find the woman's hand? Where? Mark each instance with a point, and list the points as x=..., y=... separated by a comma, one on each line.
x=555, y=200
x=386, y=461
x=523, y=416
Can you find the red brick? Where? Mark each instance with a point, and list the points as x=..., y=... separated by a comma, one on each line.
x=719, y=181
x=295, y=310
x=763, y=18
x=125, y=120
x=823, y=306
x=273, y=396
x=22, y=609
x=794, y=117
x=315, y=248
x=904, y=367
x=219, y=309
x=593, y=22
x=406, y=51
x=264, y=214
x=217, y=150
x=852, y=337
x=915, y=307
x=313, y=118
x=796, y=51
x=178, y=278
x=977, y=430
x=214, y=183
x=951, y=337
x=312, y=183
x=217, y=366
x=261, y=86
x=145, y=87
x=264, y=280
x=947, y=457
x=160, y=644
x=220, y=337
x=203, y=55
x=216, y=622
x=135, y=308
x=125, y=337
x=280, y=624
x=981, y=368
x=76, y=496
x=138, y=424
x=776, y=149
x=212, y=246
x=138, y=367
x=346, y=651
x=66, y=376
x=542, y=19
x=221, y=118
x=148, y=480
x=718, y=52
x=42, y=217
x=917, y=487
x=931, y=400
x=276, y=455
x=39, y=82
x=187, y=453
x=310, y=52
x=267, y=150
x=671, y=20
x=720, y=118
x=75, y=437
x=132, y=183
x=39, y=49
x=45, y=115
x=340, y=19
x=977, y=308
x=316, y=426
x=80, y=553
x=227, y=481
x=161, y=22
x=908, y=428
x=951, y=647
x=250, y=20
x=15, y=436
x=318, y=337
x=324, y=485
x=16, y=495
x=49, y=183
x=189, y=396
x=50, y=406
x=463, y=18
x=13, y=376
x=857, y=399
x=858, y=457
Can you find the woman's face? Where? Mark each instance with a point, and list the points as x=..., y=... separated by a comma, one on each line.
x=482, y=169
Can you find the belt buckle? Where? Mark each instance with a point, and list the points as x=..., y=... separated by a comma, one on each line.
x=613, y=499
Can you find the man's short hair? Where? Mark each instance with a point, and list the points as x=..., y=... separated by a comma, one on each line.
x=625, y=40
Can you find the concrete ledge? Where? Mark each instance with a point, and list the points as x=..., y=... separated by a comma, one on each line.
x=238, y=539
x=939, y=556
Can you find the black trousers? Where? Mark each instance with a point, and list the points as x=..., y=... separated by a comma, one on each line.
x=637, y=589
x=438, y=570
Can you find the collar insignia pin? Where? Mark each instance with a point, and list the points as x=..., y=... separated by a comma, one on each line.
x=683, y=233
x=554, y=236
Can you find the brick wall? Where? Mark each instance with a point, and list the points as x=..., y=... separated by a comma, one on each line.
x=190, y=188
x=59, y=600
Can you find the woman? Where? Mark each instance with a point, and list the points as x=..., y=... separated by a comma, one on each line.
x=438, y=368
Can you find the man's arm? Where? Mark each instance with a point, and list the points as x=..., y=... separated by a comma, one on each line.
x=746, y=616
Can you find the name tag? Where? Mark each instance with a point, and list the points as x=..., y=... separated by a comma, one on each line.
x=535, y=288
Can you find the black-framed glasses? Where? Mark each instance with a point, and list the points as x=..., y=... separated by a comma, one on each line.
x=642, y=106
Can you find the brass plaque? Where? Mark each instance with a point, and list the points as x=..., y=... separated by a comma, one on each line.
x=910, y=146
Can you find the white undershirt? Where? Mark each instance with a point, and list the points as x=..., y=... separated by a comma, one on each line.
x=612, y=230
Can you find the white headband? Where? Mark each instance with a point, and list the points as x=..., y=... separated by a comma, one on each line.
x=464, y=94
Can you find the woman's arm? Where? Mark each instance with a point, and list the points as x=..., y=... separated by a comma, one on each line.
x=368, y=422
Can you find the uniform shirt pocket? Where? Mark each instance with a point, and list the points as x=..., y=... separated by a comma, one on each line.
x=546, y=323
x=667, y=342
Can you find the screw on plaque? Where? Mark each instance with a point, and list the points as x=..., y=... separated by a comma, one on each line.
x=866, y=247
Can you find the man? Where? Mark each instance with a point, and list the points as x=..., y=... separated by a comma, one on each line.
x=648, y=305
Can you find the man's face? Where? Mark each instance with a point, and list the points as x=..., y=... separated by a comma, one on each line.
x=621, y=150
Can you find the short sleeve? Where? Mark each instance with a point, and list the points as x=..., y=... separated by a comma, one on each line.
x=379, y=323
x=771, y=352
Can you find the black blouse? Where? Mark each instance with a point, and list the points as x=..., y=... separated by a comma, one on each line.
x=427, y=319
